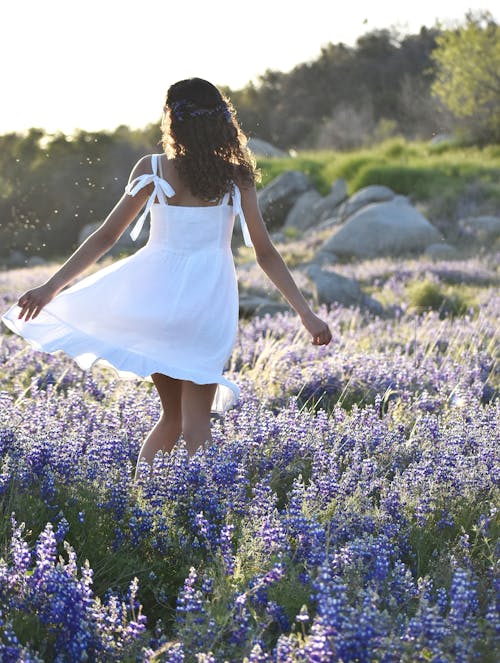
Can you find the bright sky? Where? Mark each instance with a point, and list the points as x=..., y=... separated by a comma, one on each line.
x=96, y=64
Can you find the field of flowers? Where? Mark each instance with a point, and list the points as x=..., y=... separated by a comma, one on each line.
x=347, y=509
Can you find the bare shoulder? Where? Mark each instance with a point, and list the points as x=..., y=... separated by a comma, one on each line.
x=142, y=167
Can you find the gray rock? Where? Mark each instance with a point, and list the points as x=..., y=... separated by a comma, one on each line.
x=372, y=304
x=277, y=198
x=339, y=187
x=35, y=261
x=477, y=277
x=481, y=227
x=329, y=287
x=262, y=148
x=255, y=305
x=323, y=258
x=441, y=251
x=369, y=194
x=327, y=206
x=16, y=259
x=302, y=215
x=441, y=138
x=278, y=237
x=378, y=229
x=329, y=223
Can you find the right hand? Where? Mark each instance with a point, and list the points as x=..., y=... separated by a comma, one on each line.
x=319, y=330
x=32, y=301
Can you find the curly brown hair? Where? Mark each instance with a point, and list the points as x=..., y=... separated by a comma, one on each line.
x=200, y=131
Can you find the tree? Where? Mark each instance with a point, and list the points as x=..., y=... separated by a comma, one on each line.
x=315, y=101
x=468, y=74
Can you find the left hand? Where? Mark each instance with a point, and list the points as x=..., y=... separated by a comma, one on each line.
x=319, y=330
x=32, y=301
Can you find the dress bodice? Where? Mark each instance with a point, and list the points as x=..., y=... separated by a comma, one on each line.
x=186, y=227
x=183, y=229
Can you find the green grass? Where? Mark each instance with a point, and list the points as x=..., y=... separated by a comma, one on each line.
x=452, y=301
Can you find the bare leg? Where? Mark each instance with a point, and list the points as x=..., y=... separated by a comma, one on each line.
x=196, y=403
x=167, y=429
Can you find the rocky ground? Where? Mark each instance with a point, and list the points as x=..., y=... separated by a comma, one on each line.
x=329, y=241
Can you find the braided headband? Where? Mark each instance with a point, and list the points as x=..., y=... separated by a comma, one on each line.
x=186, y=108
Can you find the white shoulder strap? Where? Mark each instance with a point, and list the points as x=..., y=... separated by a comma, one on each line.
x=154, y=164
x=159, y=165
x=239, y=211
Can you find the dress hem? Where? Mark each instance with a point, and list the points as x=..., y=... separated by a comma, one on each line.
x=88, y=351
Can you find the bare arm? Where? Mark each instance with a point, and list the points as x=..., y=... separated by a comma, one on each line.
x=269, y=259
x=100, y=241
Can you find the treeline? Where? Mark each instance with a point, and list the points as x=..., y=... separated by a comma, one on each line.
x=348, y=95
x=434, y=82
x=52, y=185
x=386, y=84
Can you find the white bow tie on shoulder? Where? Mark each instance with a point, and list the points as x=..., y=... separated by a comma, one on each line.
x=162, y=190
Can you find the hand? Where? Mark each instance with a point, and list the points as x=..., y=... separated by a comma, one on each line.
x=319, y=330
x=32, y=301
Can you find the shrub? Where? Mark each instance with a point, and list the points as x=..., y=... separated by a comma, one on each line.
x=418, y=181
x=428, y=295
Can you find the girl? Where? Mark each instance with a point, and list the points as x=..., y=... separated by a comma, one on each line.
x=169, y=312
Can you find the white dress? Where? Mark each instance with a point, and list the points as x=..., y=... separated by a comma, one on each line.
x=171, y=307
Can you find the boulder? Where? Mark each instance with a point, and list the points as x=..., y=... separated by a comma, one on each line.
x=260, y=306
x=328, y=206
x=328, y=223
x=481, y=277
x=339, y=187
x=378, y=229
x=262, y=148
x=441, y=138
x=16, y=259
x=323, y=258
x=302, y=215
x=277, y=198
x=278, y=237
x=441, y=251
x=329, y=287
x=369, y=194
x=481, y=227
x=35, y=261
